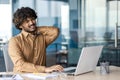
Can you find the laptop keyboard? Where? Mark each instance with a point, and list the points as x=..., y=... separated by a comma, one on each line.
x=70, y=71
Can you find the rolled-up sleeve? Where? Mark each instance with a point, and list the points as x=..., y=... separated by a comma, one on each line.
x=20, y=64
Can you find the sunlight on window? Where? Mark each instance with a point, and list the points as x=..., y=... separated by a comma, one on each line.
x=5, y=20
x=65, y=20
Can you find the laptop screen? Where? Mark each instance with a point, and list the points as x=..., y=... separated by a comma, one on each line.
x=88, y=59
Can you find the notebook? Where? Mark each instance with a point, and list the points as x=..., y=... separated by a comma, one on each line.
x=87, y=61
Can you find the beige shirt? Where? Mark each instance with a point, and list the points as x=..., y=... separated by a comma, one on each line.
x=28, y=52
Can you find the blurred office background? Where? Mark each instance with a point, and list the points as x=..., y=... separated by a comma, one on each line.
x=81, y=22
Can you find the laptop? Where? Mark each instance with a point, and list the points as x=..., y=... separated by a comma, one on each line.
x=87, y=61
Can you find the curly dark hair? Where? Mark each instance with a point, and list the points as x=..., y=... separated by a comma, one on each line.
x=22, y=14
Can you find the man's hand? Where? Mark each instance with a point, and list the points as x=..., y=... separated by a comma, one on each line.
x=54, y=68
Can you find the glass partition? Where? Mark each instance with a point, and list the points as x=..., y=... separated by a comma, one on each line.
x=93, y=22
x=97, y=24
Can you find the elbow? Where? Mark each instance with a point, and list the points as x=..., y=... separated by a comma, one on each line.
x=18, y=66
x=57, y=31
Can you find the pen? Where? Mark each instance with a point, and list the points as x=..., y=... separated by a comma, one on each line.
x=13, y=76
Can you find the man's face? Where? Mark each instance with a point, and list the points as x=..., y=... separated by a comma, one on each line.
x=29, y=25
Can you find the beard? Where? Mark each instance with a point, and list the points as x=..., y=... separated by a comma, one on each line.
x=30, y=29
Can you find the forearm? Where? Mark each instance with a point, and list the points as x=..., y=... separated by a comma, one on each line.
x=49, y=30
x=21, y=65
x=50, y=33
x=28, y=67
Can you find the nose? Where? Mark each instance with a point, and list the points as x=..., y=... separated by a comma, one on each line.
x=31, y=21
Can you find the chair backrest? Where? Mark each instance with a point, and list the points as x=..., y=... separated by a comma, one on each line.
x=7, y=59
x=107, y=35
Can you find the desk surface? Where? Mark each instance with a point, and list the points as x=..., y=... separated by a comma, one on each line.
x=113, y=75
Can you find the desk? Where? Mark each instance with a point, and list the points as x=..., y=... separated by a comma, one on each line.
x=113, y=75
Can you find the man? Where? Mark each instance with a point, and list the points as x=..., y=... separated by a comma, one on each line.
x=28, y=49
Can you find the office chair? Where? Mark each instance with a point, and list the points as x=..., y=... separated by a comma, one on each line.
x=7, y=59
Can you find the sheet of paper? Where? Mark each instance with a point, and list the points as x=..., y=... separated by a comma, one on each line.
x=17, y=77
x=6, y=79
x=39, y=75
x=10, y=77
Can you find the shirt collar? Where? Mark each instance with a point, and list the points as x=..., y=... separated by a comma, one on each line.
x=25, y=33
